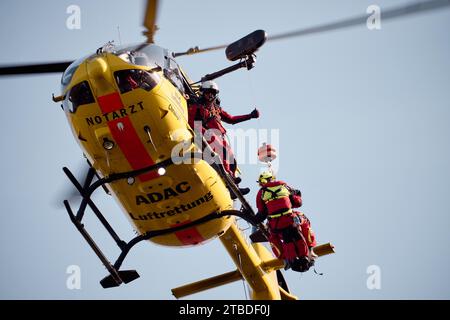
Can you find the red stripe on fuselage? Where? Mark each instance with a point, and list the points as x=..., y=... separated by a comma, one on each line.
x=110, y=102
x=188, y=236
x=126, y=137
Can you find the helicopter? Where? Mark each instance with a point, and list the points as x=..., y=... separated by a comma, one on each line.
x=101, y=109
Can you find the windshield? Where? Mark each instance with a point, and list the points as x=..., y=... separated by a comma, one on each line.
x=68, y=73
x=153, y=56
x=131, y=79
x=148, y=55
x=143, y=55
x=173, y=73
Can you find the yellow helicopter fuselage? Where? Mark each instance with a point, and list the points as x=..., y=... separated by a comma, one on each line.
x=124, y=125
x=128, y=112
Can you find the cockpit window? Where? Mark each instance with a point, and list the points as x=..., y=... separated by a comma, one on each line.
x=68, y=73
x=172, y=72
x=153, y=56
x=79, y=94
x=128, y=80
x=142, y=55
x=136, y=57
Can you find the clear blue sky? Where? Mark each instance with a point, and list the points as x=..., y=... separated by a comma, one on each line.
x=364, y=130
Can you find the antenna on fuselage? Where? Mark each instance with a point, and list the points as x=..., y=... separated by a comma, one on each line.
x=118, y=32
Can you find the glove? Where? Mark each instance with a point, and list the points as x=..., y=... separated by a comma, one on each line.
x=254, y=113
x=297, y=192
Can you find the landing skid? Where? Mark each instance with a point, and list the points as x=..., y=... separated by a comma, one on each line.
x=117, y=276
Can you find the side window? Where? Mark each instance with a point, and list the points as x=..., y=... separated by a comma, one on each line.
x=172, y=72
x=128, y=80
x=79, y=94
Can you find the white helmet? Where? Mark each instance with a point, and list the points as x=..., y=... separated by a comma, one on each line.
x=209, y=85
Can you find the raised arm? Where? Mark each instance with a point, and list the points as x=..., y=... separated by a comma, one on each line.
x=228, y=118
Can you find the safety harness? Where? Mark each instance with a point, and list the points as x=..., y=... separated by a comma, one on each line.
x=274, y=193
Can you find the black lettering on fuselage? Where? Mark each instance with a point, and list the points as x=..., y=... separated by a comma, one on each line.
x=199, y=201
x=117, y=114
x=155, y=197
x=167, y=193
x=141, y=199
x=98, y=119
x=181, y=189
x=173, y=211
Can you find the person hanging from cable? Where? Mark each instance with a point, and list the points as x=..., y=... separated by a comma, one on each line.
x=208, y=112
x=290, y=232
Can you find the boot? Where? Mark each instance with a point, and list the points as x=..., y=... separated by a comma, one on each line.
x=243, y=191
x=237, y=180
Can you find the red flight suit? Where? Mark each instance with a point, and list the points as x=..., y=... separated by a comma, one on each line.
x=211, y=117
x=284, y=224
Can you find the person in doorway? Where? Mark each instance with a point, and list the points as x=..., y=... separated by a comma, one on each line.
x=208, y=112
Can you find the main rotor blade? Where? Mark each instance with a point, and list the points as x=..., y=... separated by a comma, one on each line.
x=405, y=10
x=387, y=14
x=34, y=68
x=150, y=20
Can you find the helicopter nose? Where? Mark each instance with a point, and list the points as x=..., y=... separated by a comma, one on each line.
x=100, y=76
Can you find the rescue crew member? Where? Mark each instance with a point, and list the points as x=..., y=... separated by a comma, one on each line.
x=208, y=111
x=290, y=231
